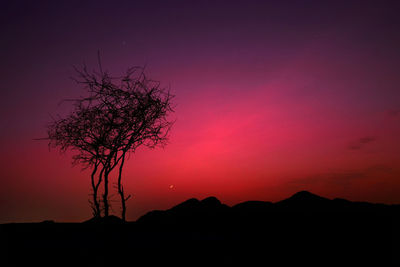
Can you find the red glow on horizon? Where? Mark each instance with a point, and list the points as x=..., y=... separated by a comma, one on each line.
x=265, y=106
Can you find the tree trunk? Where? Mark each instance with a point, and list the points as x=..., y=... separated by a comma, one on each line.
x=121, y=189
x=96, y=208
x=97, y=190
x=105, y=195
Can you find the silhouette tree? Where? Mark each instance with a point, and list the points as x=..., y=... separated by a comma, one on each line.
x=83, y=131
x=118, y=115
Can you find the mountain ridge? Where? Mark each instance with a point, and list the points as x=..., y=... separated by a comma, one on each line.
x=301, y=229
x=211, y=209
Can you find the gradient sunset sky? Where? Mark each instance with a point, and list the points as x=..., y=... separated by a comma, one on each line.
x=272, y=97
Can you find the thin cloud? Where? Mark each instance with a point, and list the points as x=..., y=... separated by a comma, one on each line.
x=332, y=178
x=342, y=178
x=362, y=142
x=393, y=113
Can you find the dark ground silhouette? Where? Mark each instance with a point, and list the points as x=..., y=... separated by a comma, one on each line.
x=304, y=228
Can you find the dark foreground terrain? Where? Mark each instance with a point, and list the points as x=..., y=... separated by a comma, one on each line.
x=304, y=228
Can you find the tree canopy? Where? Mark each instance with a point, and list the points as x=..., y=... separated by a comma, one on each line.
x=115, y=117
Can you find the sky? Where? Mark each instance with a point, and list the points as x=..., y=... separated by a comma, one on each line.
x=271, y=97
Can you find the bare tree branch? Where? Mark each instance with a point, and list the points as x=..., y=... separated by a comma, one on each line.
x=115, y=117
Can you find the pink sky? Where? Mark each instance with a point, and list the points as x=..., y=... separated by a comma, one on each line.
x=265, y=107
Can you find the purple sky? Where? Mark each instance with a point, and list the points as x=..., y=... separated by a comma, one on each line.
x=272, y=97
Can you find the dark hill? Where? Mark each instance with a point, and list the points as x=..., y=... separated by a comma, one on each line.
x=305, y=198
x=191, y=213
x=105, y=220
x=210, y=210
x=303, y=229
